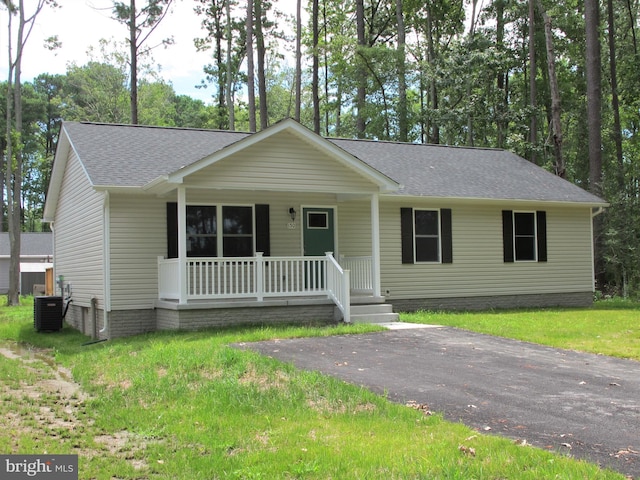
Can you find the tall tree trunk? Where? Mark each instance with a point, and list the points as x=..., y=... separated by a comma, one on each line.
x=221, y=80
x=403, y=128
x=632, y=24
x=533, y=91
x=556, y=125
x=361, y=71
x=326, y=73
x=262, y=76
x=594, y=94
x=133, y=46
x=434, y=136
x=250, y=69
x=594, y=123
x=314, y=72
x=298, y=80
x=501, y=77
x=229, y=72
x=615, y=103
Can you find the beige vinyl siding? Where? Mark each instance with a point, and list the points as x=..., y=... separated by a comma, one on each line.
x=282, y=162
x=138, y=236
x=78, y=242
x=354, y=225
x=478, y=268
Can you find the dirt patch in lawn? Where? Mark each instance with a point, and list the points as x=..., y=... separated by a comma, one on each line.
x=42, y=402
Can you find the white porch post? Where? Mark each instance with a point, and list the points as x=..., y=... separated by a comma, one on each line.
x=182, y=243
x=375, y=245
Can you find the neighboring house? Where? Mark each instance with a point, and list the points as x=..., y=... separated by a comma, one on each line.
x=36, y=255
x=166, y=228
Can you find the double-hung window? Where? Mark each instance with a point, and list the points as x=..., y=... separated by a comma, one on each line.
x=524, y=236
x=426, y=235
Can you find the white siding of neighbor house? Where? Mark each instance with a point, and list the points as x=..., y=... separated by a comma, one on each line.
x=282, y=162
x=78, y=242
x=138, y=236
x=478, y=268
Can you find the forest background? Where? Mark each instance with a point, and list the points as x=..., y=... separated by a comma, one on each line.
x=556, y=82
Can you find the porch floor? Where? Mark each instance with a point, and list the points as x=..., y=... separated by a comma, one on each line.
x=356, y=299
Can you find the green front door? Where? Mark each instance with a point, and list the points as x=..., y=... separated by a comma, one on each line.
x=318, y=239
x=318, y=230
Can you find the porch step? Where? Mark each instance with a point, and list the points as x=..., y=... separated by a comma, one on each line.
x=373, y=313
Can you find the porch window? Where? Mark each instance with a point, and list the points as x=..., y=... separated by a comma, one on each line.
x=202, y=228
x=227, y=230
x=237, y=231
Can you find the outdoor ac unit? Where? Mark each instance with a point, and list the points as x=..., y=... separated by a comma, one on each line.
x=47, y=314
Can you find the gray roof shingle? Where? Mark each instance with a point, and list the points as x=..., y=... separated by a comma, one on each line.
x=30, y=244
x=125, y=155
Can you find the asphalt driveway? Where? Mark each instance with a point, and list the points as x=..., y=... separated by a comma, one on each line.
x=582, y=404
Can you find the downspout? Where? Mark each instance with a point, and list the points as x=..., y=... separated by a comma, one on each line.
x=594, y=214
x=106, y=244
x=53, y=232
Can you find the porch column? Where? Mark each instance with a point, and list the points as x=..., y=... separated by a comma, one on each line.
x=375, y=244
x=182, y=243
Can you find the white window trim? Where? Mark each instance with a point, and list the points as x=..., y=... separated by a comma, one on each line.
x=415, y=248
x=535, y=236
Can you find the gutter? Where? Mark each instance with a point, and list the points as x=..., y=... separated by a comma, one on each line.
x=597, y=212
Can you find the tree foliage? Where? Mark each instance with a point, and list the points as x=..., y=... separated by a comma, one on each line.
x=456, y=72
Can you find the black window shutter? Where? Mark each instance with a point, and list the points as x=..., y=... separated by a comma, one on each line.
x=447, y=238
x=507, y=235
x=406, y=234
x=172, y=230
x=263, y=241
x=541, y=235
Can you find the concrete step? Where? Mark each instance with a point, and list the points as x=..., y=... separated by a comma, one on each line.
x=376, y=313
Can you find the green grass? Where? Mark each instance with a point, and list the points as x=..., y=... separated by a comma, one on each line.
x=610, y=327
x=187, y=406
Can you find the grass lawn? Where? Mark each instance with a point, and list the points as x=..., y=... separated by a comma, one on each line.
x=610, y=327
x=187, y=406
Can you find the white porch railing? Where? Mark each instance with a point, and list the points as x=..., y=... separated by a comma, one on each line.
x=259, y=277
x=338, y=287
x=360, y=268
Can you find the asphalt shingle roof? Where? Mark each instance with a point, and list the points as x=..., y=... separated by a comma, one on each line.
x=124, y=155
x=30, y=244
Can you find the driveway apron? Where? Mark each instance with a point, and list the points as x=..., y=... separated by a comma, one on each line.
x=580, y=404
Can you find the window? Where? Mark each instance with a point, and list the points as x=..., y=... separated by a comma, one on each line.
x=237, y=231
x=202, y=228
x=318, y=220
x=227, y=230
x=426, y=235
x=524, y=236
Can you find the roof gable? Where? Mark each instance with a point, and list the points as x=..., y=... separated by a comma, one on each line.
x=303, y=135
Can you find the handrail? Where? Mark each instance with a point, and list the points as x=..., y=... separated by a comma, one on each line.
x=338, y=287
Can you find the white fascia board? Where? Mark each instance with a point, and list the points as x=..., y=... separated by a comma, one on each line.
x=494, y=201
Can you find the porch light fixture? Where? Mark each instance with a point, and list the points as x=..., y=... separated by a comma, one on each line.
x=292, y=214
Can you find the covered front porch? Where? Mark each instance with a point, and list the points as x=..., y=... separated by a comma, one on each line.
x=261, y=278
